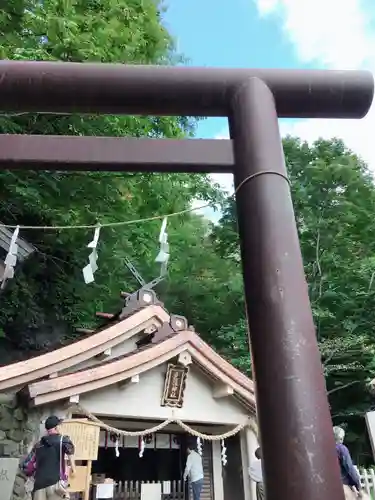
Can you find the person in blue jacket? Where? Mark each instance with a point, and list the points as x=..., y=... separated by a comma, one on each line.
x=349, y=476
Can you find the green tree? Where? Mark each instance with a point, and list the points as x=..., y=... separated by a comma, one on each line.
x=203, y=286
x=49, y=288
x=334, y=200
x=232, y=342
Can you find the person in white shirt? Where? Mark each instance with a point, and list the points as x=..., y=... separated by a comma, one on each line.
x=194, y=471
x=256, y=474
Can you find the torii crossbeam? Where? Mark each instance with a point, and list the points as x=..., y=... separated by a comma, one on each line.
x=296, y=432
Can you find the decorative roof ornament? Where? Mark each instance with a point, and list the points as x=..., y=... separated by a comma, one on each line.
x=162, y=258
x=11, y=258
x=89, y=270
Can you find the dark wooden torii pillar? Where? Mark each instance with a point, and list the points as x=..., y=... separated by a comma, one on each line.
x=296, y=434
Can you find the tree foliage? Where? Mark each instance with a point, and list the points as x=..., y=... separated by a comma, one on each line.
x=49, y=288
x=334, y=200
x=333, y=195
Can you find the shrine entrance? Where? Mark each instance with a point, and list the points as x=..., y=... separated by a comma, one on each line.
x=162, y=462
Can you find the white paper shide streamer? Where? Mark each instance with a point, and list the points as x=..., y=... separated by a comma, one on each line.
x=223, y=453
x=117, y=443
x=163, y=256
x=11, y=258
x=89, y=270
x=199, y=446
x=141, y=447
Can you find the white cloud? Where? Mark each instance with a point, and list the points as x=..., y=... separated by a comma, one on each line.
x=335, y=34
x=225, y=180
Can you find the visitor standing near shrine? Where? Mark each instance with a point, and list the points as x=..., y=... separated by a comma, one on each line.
x=46, y=463
x=350, y=477
x=194, y=470
x=256, y=474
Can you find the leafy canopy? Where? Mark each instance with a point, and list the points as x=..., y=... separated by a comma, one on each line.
x=334, y=200
x=49, y=288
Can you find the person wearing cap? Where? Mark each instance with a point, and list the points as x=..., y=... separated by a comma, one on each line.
x=50, y=452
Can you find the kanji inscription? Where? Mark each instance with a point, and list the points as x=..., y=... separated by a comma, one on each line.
x=174, y=386
x=85, y=437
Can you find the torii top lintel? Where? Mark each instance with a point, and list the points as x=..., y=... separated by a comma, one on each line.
x=159, y=90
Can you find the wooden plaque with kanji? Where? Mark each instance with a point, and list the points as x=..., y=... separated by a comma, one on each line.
x=85, y=437
x=174, y=386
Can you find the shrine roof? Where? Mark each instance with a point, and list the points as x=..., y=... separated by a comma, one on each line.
x=59, y=374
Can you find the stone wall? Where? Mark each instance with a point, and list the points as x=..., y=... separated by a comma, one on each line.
x=19, y=430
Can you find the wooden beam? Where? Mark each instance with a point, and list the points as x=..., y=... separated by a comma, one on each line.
x=121, y=89
x=24, y=372
x=86, y=331
x=223, y=391
x=105, y=354
x=104, y=315
x=75, y=153
x=133, y=380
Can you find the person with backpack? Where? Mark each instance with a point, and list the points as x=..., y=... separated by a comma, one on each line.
x=350, y=477
x=46, y=463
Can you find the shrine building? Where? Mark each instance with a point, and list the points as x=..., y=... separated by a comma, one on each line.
x=150, y=383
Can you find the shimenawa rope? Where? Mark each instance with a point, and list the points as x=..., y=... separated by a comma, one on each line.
x=173, y=420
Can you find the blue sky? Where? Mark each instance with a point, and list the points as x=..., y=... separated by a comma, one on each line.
x=332, y=34
x=210, y=33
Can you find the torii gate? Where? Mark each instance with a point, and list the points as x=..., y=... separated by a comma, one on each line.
x=295, y=426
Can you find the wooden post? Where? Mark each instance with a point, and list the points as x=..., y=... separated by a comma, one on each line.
x=85, y=436
x=294, y=419
x=86, y=494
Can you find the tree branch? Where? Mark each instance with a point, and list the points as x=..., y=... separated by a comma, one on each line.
x=342, y=387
